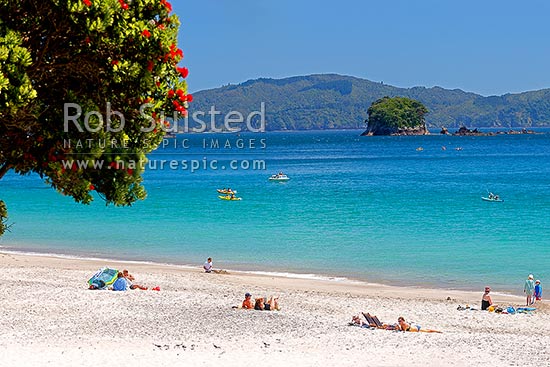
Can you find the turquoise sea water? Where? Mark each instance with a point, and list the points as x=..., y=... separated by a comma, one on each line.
x=372, y=208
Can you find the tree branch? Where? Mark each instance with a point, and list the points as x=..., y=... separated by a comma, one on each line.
x=4, y=169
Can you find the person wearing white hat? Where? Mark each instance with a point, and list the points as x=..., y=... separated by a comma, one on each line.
x=529, y=289
x=538, y=290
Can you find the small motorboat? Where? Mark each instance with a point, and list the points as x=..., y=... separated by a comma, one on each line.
x=279, y=177
x=229, y=198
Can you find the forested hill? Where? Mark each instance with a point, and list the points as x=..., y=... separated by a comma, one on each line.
x=330, y=101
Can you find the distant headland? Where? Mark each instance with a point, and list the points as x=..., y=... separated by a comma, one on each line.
x=331, y=101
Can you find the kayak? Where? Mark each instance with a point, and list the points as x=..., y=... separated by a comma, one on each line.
x=492, y=199
x=226, y=192
x=227, y=197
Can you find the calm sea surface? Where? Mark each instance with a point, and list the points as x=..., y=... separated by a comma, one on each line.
x=372, y=208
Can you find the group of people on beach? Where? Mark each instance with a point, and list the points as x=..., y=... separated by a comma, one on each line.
x=259, y=304
x=531, y=288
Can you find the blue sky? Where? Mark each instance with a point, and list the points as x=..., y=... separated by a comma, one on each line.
x=484, y=46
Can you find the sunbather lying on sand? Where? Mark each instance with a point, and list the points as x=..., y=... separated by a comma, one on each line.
x=373, y=321
x=270, y=305
x=404, y=326
x=356, y=320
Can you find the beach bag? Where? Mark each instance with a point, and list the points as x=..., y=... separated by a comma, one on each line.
x=97, y=284
x=511, y=310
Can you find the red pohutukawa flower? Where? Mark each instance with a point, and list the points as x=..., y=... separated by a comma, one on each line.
x=184, y=72
x=92, y=187
x=146, y=33
x=167, y=5
x=189, y=98
x=150, y=65
x=171, y=94
x=123, y=4
x=114, y=62
x=88, y=3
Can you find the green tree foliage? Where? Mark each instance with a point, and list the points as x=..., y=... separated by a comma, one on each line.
x=389, y=115
x=99, y=54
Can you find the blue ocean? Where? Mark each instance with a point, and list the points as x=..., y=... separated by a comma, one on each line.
x=393, y=210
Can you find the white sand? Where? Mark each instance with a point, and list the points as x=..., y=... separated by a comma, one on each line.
x=49, y=318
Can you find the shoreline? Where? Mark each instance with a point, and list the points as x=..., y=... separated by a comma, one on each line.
x=278, y=273
x=304, y=279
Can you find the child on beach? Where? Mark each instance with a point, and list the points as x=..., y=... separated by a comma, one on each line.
x=529, y=289
x=538, y=291
x=247, y=303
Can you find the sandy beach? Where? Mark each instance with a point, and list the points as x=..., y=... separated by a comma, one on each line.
x=49, y=317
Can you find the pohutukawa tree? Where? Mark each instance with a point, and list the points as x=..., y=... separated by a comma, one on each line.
x=99, y=55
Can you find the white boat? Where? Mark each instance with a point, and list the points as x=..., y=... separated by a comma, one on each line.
x=280, y=177
x=496, y=200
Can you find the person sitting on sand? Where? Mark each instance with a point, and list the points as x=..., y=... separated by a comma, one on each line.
x=404, y=326
x=247, y=303
x=120, y=284
x=209, y=267
x=130, y=281
x=486, y=300
x=270, y=305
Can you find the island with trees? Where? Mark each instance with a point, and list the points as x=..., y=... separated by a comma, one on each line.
x=396, y=116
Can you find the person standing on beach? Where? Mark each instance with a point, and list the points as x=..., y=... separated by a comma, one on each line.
x=538, y=290
x=486, y=300
x=529, y=289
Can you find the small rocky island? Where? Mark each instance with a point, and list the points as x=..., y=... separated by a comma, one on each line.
x=464, y=131
x=396, y=116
